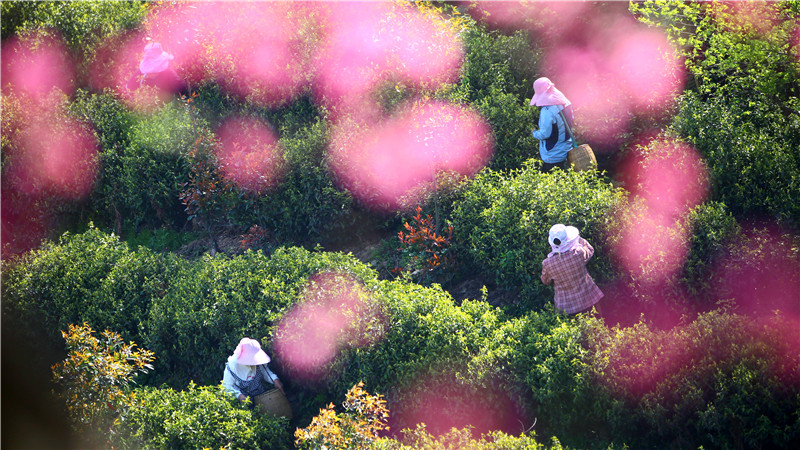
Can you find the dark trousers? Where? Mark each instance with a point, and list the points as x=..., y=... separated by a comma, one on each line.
x=547, y=167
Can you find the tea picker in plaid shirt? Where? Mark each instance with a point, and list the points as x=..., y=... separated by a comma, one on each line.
x=565, y=266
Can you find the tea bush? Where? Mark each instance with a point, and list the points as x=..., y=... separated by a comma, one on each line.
x=495, y=61
x=214, y=302
x=427, y=345
x=187, y=312
x=306, y=203
x=197, y=417
x=150, y=171
x=712, y=229
x=749, y=146
x=90, y=277
x=551, y=358
x=502, y=223
x=734, y=379
x=740, y=106
x=512, y=122
x=497, y=78
x=95, y=378
x=33, y=204
x=723, y=380
x=82, y=24
x=142, y=161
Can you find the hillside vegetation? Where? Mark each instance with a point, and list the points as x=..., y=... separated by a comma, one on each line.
x=376, y=216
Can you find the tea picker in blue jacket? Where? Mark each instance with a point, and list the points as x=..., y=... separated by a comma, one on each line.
x=555, y=140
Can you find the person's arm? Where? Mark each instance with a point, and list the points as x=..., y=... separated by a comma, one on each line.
x=230, y=385
x=545, y=125
x=588, y=249
x=270, y=376
x=546, y=278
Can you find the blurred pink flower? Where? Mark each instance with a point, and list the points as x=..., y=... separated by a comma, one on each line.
x=249, y=154
x=35, y=65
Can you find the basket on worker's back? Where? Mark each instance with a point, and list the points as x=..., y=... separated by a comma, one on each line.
x=273, y=402
x=581, y=157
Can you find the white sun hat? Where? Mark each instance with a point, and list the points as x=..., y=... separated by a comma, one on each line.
x=562, y=238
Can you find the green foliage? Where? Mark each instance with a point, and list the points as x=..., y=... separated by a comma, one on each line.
x=711, y=228
x=506, y=63
x=750, y=149
x=731, y=48
x=214, y=301
x=551, y=356
x=497, y=77
x=720, y=373
x=307, y=203
x=90, y=277
x=742, y=114
x=159, y=240
x=511, y=122
x=82, y=24
x=198, y=417
x=144, y=161
x=723, y=380
x=184, y=311
x=109, y=116
x=95, y=378
x=501, y=224
x=304, y=204
x=207, y=195
x=428, y=343
x=33, y=204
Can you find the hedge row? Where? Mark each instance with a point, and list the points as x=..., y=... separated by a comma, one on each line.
x=197, y=417
x=735, y=379
x=190, y=313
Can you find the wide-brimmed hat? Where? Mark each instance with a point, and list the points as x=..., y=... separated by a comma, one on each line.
x=155, y=59
x=546, y=94
x=249, y=353
x=562, y=238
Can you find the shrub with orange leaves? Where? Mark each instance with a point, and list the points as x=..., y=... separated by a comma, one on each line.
x=95, y=376
x=424, y=251
x=256, y=238
x=363, y=418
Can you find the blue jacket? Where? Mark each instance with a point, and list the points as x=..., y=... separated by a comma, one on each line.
x=554, y=140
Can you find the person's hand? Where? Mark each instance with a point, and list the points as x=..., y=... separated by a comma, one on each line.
x=242, y=397
x=278, y=384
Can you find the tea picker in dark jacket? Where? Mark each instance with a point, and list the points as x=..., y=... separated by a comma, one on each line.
x=246, y=369
x=155, y=70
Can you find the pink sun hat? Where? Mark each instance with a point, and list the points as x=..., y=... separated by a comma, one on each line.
x=249, y=353
x=155, y=59
x=562, y=238
x=546, y=94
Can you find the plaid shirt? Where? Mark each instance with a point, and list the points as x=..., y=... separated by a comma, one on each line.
x=575, y=289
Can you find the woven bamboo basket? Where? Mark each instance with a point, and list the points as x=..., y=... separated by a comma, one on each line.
x=582, y=158
x=273, y=402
